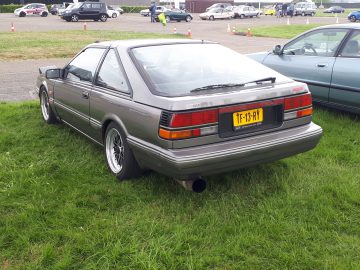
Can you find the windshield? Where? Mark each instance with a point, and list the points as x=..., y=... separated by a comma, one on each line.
x=176, y=70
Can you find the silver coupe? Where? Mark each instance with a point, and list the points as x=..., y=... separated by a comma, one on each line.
x=184, y=108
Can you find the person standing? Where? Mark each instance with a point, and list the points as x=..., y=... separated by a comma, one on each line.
x=152, y=9
x=291, y=9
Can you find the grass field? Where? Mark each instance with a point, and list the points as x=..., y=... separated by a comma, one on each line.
x=58, y=44
x=61, y=209
x=279, y=31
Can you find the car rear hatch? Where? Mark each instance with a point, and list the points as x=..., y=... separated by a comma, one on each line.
x=214, y=118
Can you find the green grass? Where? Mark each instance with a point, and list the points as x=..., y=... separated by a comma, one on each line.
x=280, y=31
x=59, y=44
x=61, y=209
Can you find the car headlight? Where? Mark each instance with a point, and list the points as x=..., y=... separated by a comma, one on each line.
x=67, y=11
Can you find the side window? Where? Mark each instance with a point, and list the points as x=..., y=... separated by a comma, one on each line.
x=96, y=6
x=111, y=74
x=83, y=67
x=86, y=6
x=318, y=43
x=352, y=48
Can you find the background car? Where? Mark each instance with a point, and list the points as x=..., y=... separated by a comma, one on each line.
x=334, y=9
x=54, y=9
x=270, y=11
x=32, y=9
x=112, y=13
x=218, y=5
x=354, y=16
x=159, y=9
x=326, y=59
x=86, y=11
x=305, y=8
x=216, y=13
x=184, y=108
x=246, y=12
x=67, y=6
x=176, y=15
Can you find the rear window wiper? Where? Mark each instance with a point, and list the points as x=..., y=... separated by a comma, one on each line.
x=227, y=85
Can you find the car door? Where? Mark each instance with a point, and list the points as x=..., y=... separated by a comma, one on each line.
x=112, y=89
x=310, y=59
x=73, y=93
x=345, y=87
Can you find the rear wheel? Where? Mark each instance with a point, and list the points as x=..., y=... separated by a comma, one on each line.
x=312, y=14
x=46, y=111
x=353, y=18
x=242, y=16
x=103, y=17
x=211, y=18
x=303, y=14
x=74, y=18
x=118, y=154
x=167, y=18
x=188, y=18
x=44, y=14
x=114, y=15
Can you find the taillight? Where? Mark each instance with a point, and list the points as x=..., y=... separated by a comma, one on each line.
x=194, y=118
x=297, y=102
x=175, y=126
x=298, y=106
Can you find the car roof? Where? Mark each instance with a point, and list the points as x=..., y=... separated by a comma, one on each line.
x=344, y=26
x=131, y=43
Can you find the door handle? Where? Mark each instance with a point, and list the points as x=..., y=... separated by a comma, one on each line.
x=321, y=65
x=85, y=94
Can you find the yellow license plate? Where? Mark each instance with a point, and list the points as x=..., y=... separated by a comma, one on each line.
x=248, y=118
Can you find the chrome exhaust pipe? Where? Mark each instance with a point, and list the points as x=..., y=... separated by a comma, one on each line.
x=198, y=185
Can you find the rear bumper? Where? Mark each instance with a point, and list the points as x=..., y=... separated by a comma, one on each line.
x=229, y=155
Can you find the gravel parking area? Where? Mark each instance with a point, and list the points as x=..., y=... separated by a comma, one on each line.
x=17, y=78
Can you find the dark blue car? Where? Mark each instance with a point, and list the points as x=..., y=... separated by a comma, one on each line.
x=354, y=16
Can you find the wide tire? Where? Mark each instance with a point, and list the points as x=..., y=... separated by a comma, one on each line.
x=74, y=18
x=47, y=113
x=119, y=157
x=103, y=17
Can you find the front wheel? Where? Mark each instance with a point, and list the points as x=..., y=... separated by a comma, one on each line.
x=118, y=154
x=74, y=18
x=211, y=18
x=242, y=16
x=46, y=111
x=188, y=18
x=167, y=18
x=22, y=14
x=353, y=19
x=103, y=17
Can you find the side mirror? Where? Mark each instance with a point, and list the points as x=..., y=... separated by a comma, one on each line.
x=55, y=73
x=277, y=50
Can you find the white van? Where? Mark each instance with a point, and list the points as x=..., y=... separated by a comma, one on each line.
x=305, y=8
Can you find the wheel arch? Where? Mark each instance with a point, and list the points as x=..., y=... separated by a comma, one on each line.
x=112, y=118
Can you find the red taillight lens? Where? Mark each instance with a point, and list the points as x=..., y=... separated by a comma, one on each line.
x=194, y=118
x=297, y=102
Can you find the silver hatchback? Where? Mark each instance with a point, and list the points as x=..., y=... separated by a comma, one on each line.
x=184, y=108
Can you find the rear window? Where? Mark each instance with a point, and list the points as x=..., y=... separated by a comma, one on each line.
x=175, y=70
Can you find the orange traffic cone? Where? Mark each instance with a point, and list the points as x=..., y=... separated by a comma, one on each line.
x=85, y=26
x=248, y=33
x=12, y=27
x=189, y=33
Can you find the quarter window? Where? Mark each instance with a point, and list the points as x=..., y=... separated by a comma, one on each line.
x=352, y=48
x=111, y=74
x=317, y=43
x=83, y=67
